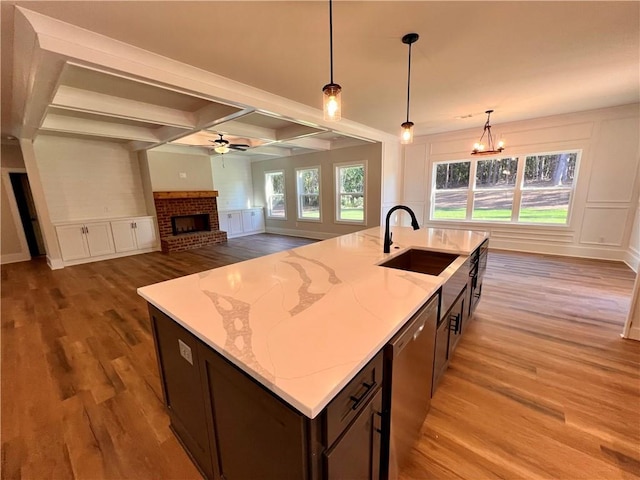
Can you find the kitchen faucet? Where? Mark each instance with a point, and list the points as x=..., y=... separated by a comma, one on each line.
x=387, y=233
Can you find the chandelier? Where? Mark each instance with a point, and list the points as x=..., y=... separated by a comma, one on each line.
x=480, y=148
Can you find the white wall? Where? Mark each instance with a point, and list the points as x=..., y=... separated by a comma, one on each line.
x=88, y=179
x=605, y=200
x=174, y=169
x=233, y=181
x=372, y=153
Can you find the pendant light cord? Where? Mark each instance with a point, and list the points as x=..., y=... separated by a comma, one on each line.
x=331, y=37
x=408, y=82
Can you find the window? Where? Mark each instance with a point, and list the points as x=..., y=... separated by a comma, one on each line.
x=275, y=194
x=308, y=190
x=533, y=188
x=350, y=192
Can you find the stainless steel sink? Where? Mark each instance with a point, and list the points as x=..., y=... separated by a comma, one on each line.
x=421, y=261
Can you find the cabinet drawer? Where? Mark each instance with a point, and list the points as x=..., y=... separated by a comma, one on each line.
x=348, y=403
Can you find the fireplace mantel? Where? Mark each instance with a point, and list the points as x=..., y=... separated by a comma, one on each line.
x=185, y=194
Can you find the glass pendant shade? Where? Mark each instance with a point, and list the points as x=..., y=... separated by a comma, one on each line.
x=221, y=149
x=406, y=136
x=332, y=102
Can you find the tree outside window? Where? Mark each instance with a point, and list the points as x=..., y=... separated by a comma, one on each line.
x=350, y=189
x=533, y=188
x=308, y=189
x=275, y=194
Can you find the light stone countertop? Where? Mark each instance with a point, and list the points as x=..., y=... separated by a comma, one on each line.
x=303, y=322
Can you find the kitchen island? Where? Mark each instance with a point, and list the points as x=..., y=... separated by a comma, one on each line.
x=304, y=325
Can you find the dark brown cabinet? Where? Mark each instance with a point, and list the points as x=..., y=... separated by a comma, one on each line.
x=235, y=429
x=457, y=318
x=178, y=360
x=356, y=455
x=255, y=434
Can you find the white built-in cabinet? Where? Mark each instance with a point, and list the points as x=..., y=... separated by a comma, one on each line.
x=133, y=234
x=97, y=240
x=241, y=222
x=90, y=239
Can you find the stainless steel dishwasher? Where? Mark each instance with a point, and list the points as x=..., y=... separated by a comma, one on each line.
x=407, y=376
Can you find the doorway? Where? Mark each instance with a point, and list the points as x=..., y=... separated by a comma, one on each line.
x=28, y=214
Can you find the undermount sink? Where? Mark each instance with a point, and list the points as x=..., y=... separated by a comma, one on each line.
x=421, y=261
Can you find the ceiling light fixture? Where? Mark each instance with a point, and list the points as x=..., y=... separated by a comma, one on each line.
x=480, y=148
x=221, y=149
x=407, y=127
x=332, y=92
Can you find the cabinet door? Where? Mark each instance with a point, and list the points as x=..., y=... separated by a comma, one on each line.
x=145, y=232
x=257, y=435
x=99, y=238
x=247, y=220
x=252, y=220
x=223, y=220
x=356, y=455
x=440, y=356
x=457, y=320
x=235, y=223
x=257, y=217
x=178, y=361
x=73, y=244
x=124, y=237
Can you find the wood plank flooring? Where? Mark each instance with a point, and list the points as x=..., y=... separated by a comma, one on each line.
x=541, y=385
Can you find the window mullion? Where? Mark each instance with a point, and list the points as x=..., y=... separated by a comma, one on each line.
x=517, y=190
x=473, y=168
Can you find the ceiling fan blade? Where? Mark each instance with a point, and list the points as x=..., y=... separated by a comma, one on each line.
x=239, y=146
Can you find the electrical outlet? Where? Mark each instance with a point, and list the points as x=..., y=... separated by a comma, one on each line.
x=182, y=175
x=185, y=351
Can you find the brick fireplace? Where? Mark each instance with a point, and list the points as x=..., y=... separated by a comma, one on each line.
x=178, y=207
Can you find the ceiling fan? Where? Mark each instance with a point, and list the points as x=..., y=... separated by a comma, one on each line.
x=223, y=146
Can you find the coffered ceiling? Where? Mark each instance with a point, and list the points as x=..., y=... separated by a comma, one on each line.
x=523, y=59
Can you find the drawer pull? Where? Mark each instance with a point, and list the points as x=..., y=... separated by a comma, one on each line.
x=358, y=400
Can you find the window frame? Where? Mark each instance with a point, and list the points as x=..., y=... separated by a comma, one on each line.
x=517, y=189
x=299, y=194
x=267, y=196
x=338, y=192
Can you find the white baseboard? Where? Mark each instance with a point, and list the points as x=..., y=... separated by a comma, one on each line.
x=633, y=259
x=243, y=234
x=15, y=257
x=597, y=253
x=634, y=333
x=301, y=233
x=55, y=263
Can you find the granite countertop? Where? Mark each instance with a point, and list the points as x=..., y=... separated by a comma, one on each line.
x=303, y=322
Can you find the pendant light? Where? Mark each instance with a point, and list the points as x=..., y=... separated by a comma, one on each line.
x=331, y=92
x=480, y=148
x=407, y=127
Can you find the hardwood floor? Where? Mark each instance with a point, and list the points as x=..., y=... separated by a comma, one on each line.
x=541, y=385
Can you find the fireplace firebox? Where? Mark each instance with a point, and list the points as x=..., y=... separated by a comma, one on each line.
x=181, y=224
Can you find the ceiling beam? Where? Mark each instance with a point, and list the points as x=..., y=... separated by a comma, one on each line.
x=100, y=104
x=238, y=129
x=81, y=126
x=296, y=131
x=310, y=143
